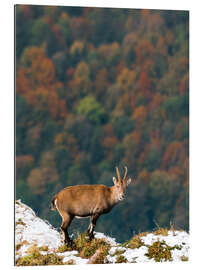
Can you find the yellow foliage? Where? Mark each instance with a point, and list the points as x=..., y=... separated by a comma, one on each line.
x=77, y=47
x=140, y=114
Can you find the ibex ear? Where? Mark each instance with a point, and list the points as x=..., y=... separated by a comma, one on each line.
x=128, y=181
x=114, y=180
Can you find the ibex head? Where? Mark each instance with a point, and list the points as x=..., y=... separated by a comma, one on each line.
x=121, y=184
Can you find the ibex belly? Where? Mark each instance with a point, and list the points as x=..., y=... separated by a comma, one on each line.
x=79, y=217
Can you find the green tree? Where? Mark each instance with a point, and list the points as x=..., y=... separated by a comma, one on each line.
x=163, y=191
x=92, y=109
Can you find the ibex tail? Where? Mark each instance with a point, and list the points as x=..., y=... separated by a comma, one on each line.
x=53, y=206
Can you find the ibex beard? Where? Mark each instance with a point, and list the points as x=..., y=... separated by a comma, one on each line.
x=92, y=201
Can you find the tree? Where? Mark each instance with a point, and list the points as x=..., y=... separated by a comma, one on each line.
x=64, y=26
x=40, y=177
x=93, y=110
x=36, y=82
x=140, y=115
x=174, y=154
x=122, y=125
x=163, y=193
x=80, y=85
x=23, y=165
x=101, y=84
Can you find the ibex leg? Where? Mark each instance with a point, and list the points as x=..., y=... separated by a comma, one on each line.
x=93, y=220
x=64, y=228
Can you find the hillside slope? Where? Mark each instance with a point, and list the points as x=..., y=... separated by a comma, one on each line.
x=38, y=243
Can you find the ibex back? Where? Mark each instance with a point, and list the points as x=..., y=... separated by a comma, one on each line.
x=82, y=201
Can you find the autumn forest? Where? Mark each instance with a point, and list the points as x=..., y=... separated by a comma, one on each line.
x=98, y=88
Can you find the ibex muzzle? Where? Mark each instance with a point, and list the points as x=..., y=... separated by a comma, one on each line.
x=82, y=201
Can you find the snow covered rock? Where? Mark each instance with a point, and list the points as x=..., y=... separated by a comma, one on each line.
x=31, y=230
x=32, y=233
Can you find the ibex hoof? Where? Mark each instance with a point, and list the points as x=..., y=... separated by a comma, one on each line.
x=91, y=236
x=68, y=243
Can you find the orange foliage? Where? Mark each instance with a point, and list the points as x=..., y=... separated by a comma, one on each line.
x=39, y=177
x=132, y=143
x=123, y=105
x=157, y=100
x=108, y=51
x=109, y=130
x=120, y=66
x=180, y=128
x=36, y=82
x=26, y=11
x=36, y=182
x=33, y=136
x=23, y=161
x=109, y=142
x=140, y=114
x=156, y=21
x=133, y=138
x=59, y=36
x=77, y=47
x=145, y=12
x=174, y=154
x=169, y=37
x=162, y=46
x=144, y=176
x=177, y=171
x=144, y=81
x=143, y=154
x=184, y=85
x=67, y=140
x=126, y=78
x=144, y=50
x=148, y=66
x=22, y=82
x=70, y=72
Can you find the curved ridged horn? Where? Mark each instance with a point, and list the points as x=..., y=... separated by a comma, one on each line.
x=118, y=174
x=126, y=171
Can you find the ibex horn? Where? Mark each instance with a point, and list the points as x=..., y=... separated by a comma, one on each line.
x=118, y=174
x=126, y=171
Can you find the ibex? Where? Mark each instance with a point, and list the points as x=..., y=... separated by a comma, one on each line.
x=82, y=201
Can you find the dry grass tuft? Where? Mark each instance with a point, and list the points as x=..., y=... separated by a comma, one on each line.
x=160, y=251
x=134, y=242
x=34, y=258
x=18, y=246
x=87, y=248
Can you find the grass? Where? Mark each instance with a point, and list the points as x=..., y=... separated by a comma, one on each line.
x=20, y=222
x=34, y=258
x=64, y=248
x=184, y=258
x=18, y=246
x=87, y=248
x=161, y=231
x=43, y=248
x=160, y=251
x=134, y=242
x=121, y=259
x=31, y=260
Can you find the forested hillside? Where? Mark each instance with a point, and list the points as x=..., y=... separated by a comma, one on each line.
x=98, y=88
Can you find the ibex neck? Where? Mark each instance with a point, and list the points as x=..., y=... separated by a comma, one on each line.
x=114, y=195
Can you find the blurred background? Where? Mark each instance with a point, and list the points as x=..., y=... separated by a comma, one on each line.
x=98, y=88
